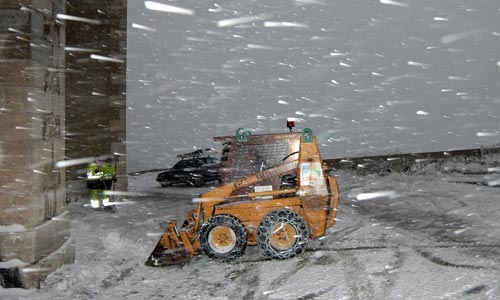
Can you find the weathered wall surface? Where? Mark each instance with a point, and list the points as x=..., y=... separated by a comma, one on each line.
x=95, y=88
x=34, y=223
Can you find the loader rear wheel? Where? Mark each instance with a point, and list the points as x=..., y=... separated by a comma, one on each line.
x=282, y=234
x=223, y=237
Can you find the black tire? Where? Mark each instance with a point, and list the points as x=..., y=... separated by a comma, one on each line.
x=223, y=237
x=165, y=184
x=282, y=234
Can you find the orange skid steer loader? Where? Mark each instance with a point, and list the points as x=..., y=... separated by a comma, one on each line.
x=275, y=193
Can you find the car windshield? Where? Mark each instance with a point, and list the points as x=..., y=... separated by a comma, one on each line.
x=209, y=160
x=183, y=164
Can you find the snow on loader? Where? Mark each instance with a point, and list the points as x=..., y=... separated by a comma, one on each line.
x=275, y=193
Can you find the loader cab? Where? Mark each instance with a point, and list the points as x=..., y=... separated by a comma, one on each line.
x=241, y=158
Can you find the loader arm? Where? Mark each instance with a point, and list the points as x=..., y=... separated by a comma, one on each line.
x=222, y=195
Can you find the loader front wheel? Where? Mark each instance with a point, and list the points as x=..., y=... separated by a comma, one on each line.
x=282, y=234
x=223, y=237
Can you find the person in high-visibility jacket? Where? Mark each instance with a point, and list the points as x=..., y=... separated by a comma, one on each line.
x=100, y=177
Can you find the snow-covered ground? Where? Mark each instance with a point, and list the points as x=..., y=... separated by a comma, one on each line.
x=427, y=236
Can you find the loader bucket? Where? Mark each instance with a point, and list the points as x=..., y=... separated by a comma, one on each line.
x=175, y=246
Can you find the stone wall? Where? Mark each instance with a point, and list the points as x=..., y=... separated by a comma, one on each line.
x=470, y=161
x=95, y=88
x=34, y=223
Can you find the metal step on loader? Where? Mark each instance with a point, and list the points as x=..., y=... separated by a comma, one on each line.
x=275, y=194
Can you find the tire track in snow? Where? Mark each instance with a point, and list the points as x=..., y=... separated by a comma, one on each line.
x=248, y=279
x=392, y=273
x=303, y=261
x=439, y=261
x=357, y=279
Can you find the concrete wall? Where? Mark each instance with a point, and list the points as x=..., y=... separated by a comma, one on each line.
x=34, y=223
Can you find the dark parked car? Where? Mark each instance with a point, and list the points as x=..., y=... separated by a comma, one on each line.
x=193, y=171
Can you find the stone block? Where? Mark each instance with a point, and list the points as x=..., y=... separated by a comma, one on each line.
x=14, y=99
x=14, y=18
x=33, y=245
x=51, y=235
x=15, y=155
x=32, y=276
x=14, y=4
x=25, y=197
x=22, y=275
x=117, y=125
x=18, y=243
x=16, y=127
x=12, y=47
x=43, y=206
x=83, y=83
x=18, y=206
x=34, y=190
x=23, y=73
x=17, y=181
x=15, y=175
